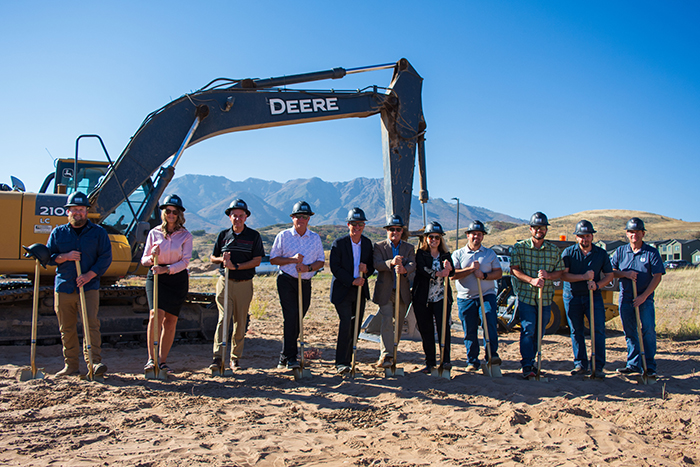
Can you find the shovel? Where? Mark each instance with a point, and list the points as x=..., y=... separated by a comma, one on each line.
x=540, y=331
x=357, y=326
x=155, y=373
x=222, y=370
x=440, y=370
x=645, y=379
x=594, y=375
x=392, y=370
x=302, y=371
x=490, y=369
x=33, y=372
x=86, y=327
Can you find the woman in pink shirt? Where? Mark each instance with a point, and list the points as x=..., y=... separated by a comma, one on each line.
x=171, y=242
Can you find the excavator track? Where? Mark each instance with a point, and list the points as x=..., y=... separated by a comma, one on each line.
x=123, y=314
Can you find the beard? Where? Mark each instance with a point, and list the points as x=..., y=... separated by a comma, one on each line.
x=77, y=223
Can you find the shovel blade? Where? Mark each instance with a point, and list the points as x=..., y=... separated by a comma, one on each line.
x=393, y=371
x=492, y=371
x=443, y=373
x=150, y=374
x=26, y=374
x=301, y=373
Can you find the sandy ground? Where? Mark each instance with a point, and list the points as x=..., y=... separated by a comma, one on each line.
x=262, y=416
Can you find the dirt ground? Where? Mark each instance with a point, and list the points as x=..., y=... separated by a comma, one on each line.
x=262, y=416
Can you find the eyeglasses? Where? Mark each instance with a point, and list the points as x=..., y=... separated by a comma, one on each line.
x=301, y=216
x=539, y=228
x=357, y=224
x=171, y=211
x=395, y=229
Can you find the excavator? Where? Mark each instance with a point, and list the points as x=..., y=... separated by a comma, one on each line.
x=124, y=193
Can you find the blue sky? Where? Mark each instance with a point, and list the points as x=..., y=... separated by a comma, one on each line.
x=531, y=106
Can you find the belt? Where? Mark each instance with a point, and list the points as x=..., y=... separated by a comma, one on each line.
x=292, y=277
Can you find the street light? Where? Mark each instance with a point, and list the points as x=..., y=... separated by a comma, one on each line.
x=457, y=232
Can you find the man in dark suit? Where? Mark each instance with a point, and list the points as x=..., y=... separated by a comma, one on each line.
x=350, y=261
x=390, y=256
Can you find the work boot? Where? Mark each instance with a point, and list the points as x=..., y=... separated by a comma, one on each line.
x=68, y=371
x=215, y=364
x=100, y=369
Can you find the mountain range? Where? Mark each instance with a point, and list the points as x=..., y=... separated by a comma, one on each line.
x=206, y=197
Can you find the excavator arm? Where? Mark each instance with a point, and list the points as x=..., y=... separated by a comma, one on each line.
x=248, y=104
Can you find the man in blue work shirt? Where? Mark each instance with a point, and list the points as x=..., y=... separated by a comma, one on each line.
x=79, y=240
x=586, y=267
x=640, y=263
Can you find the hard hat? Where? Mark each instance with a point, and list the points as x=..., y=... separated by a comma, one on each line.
x=356, y=215
x=584, y=227
x=538, y=219
x=302, y=207
x=38, y=251
x=174, y=201
x=433, y=227
x=635, y=224
x=237, y=204
x=77, y=199
x=476, y=226
x=394, y=221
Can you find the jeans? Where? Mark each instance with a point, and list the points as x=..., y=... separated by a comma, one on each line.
x=647, y=316
x=469, y=315
x=528, y=340
x=576, y=308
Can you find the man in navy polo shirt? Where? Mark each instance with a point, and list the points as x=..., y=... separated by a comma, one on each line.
x=641, y=263
x=586, y=267
x=79, y=240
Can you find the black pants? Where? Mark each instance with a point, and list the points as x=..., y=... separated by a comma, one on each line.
x=288, y=291
x=346, y=327
x=424, y=319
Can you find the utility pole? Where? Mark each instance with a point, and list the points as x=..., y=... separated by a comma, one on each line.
x=457, y=231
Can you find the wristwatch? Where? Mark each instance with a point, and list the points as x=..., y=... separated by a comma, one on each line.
x=310, y=268
x=236, y=266
x=485, y=274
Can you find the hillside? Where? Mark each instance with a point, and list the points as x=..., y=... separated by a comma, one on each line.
x=609, y=224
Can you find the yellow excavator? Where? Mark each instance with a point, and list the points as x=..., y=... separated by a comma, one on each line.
x=124, y=193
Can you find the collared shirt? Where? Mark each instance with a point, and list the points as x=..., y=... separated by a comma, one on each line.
x=356, y=252
x=243, y=247
x=288, y=243
x=467, y=287
x=646, y=262
x=578, y=262
x=175, y=249
x=530, y=260
x=95, y=255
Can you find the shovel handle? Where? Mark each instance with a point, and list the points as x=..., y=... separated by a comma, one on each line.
x=540, y=331
x=86, y=324
x=397, y=300
x=639, y=330
x=301, y=321
x=591, y=310
x=444, y=322
x=357, y=325
x=484, y=323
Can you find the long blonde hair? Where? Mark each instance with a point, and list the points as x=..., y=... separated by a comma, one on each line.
x=179, y=223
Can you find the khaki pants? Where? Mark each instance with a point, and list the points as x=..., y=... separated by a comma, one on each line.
x=240, y=295
x=386, y=312
x=67, y=307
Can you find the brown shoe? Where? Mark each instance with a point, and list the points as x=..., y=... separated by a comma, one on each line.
x=68, y=371
x=385, y=362
x=235, y=364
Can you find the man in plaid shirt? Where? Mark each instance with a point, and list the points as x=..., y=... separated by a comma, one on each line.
x=535, y=263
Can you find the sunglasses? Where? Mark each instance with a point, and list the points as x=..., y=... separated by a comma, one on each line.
x=433, y=237
x=301, y=216
x=171, y=211
x=357, y=224
x=395, y=229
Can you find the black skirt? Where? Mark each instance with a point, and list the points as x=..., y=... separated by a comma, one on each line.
x=172, y=291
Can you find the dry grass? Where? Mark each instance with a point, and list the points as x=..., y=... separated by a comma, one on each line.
x=677, y=303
